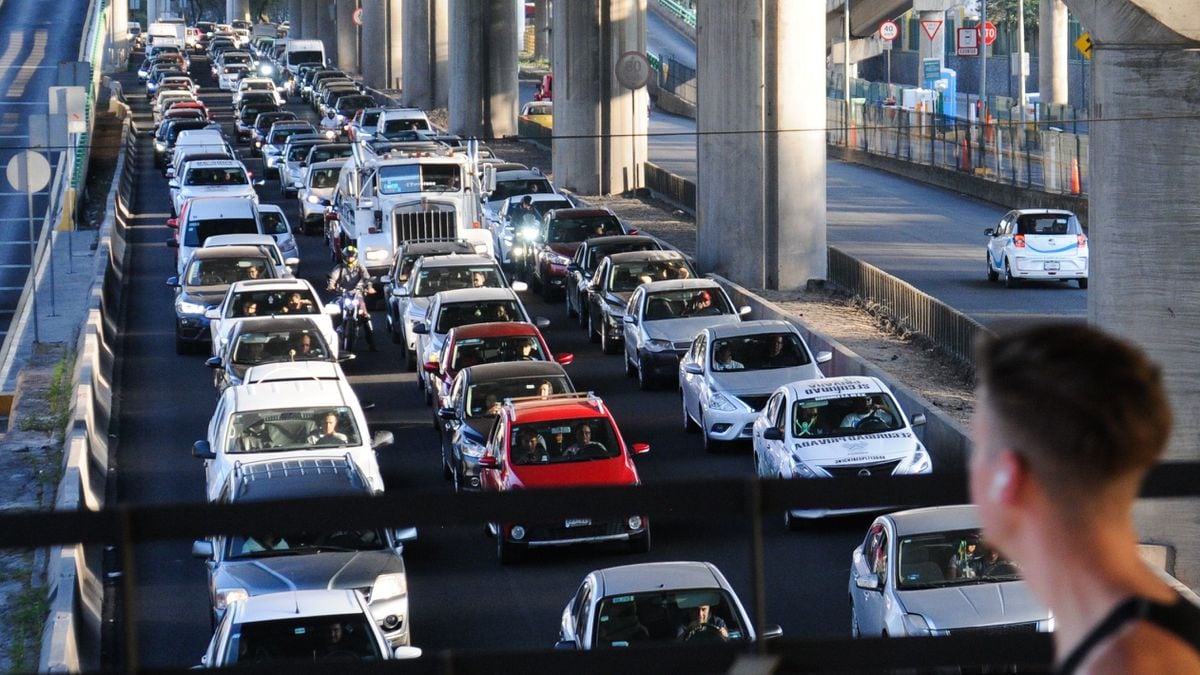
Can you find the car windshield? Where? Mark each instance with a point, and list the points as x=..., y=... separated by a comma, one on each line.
x=598, y=252
x=411, y=124
x=513, y=188
x=759, y=352
x=432, y=280
x=668, y=616
x=1047, y=223
x=484, y=399
x=407, y=178
x=274, y=222
x=935, y=559
x=576, y=440
x=474, y=351
x=853, y=415
x=324, y=178
x=354, y=102
x=269, y=346
x=566, y=230
x=464, y=313
x=272, y=303
x=324, y=154
x=216, y=176
x=280, y=136
x=225, y=271
x=199, y=231
x=685, y=303
x=291, y=429
x=305, y=56
x=625, y=277
x=299, y=542
x=369, y=120
x=346, y=637
x=298, y=151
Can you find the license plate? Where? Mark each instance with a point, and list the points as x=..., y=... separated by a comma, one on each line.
x=1050, y=265
x=577, y=522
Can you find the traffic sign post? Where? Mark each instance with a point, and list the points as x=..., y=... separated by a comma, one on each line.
x=888, y=31
x=29, y=172
x=987, y=32
x=967, y=42
x=633, y=72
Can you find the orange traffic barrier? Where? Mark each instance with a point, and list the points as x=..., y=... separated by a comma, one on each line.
x=853, y=135
x=964, y=156
x=1075, y=187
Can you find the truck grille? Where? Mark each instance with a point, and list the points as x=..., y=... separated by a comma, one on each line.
x=432, y=223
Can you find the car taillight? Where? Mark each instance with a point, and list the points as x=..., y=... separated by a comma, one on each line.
x=1081, y=241
x=1019, y=240
x=372, y=230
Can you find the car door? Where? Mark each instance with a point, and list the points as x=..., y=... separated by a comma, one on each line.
x=998, y=243
x=631, y=325
x=217, y=433
x=489, y=479
x=869, y=605
x=690, y=383
x=775, y=453
x=764, y=420
x=595, y=294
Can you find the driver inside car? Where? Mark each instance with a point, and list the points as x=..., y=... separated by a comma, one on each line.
x=701, y=624
x=868, y=408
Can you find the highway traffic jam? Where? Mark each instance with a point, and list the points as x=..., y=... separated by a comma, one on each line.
x=434, y=245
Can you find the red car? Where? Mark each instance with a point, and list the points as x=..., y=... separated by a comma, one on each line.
x=558, y=238
x=560, y=440
x=478, y=343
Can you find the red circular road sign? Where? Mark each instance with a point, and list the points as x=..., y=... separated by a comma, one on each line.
x=987, y=32
x=357, y=16
x=888, y=30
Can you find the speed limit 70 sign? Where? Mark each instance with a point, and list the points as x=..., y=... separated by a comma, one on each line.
x=888, y=30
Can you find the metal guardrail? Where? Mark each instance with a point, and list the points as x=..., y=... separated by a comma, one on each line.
x=902, y=303
x=687, y=15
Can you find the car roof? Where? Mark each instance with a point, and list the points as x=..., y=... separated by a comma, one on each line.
x=270, y=285
x=299, y=391
x=1026, y=212
x=519, y=174
x=490, y=372
x=214, y=164
x=677, y=575
x=495, y=329
x=297, y=604
x=580, y=212
x=425, y=248
x=271, y=208
x=475, y=294
x=220, y=207
x=836, y=387
x=935, y=519
x=308, y=477
x=751, y=328
x=456, y=260
x=278, y=323
x=539, y=197
x=619, y=240
x=239, y=240
x=557, y=407
x=680, y=284
x=229, y=252
x=643, y=256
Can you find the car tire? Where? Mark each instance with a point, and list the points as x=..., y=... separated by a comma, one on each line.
x=1083, y=283
x=584, y=314
x=630, y=369
x=689, y=425
x=710, y=445
x=507, y=553
x=854, y=632
x=645, y=382
x=548, y=292
x=593, y=334
x=992, y=275
x=607, y=344
x=181, y=346
x=396, y=339
x=1010, y=281
x=571, y=313
x=640, y=543
x=790, y=522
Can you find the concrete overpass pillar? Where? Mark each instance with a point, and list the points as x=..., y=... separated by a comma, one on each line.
x=152, y=12
x=374, y=43
x=295, y=18
x=1144, y=163
x=483, y=56
x=237, y=10
x=541, y=29
x=1053, y=51
x=308, y=13
x=603, y=123
x=761, y=155
x=327, y=30
x=425, y=26
x=347, y=36
x=395, y=53
x=119, y=27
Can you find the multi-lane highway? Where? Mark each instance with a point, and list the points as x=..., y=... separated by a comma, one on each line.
x=32, y=43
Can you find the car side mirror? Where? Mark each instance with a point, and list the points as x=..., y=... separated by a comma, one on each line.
x=868, y=582
x=448, y=414
x=332, y=310
x=744, y=310
x=173, y=223
x=824, y=357
x=382, y=439
x=171, y=243
x=399, y=292
x=772, y=434
x=541, y=322
x=694, y=369
x=202, y=450
x=173, y=184
x=404, y=534
x=214, y=362
x=420, y=328
x=566, y=645
x=520, y=286
x=212, y=314
x=918, y=419
x=629, y=319
x=564, y=359
x=291, y=262
x=406, y=653
x=259, y=182
x=385, y=279
x=573, y=267
x=641, y=448
x=432, y=367
x=990, y=232
x=173, y=282
x=346, y=356
x=203, y=549
x=488, y=462
x=771, y=632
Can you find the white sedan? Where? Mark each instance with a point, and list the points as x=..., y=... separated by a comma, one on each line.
x=270, y=297
x=836, y=427
x=730, y=371
x=1046, y=244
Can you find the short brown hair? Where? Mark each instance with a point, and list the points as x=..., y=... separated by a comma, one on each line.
x=1080, y=405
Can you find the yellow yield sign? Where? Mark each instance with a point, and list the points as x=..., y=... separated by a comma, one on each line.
x=1084, y=45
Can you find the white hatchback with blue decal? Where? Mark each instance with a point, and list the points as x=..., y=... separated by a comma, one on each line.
x=1037, y=244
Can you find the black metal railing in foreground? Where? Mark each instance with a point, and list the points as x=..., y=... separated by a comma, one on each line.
x=729, y=505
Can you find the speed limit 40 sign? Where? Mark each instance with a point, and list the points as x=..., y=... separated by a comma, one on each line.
x=888, y=30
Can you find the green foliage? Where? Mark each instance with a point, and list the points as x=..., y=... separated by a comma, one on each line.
x=28, y=609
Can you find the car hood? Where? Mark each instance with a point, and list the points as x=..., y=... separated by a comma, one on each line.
x=328, y=569
x=205, y=295
x=321, y=193
x=761, y=382
x=217, y=191
x=622, y=297
x=568, y=474
x=854, y=450
x=418, y=304
x=478, y=427
x=568, y=248
x=975, y=605
x=685, y=329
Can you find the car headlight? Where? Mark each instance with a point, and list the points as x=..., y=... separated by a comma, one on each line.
x=918, y=462
x=389, y=586
x=1046, y=626
x=266, y=69
x=312, y=199
x=471, y=449
x=185, y=307
x=658, y=345
x=228, y=596
x=916, y=625
x=556, y=259
x=160, y=146
x=377, y=255
x=719, y=401
x=799, y=467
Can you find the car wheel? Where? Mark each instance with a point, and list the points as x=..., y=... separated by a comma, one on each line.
x=181, y=346
x=630, y=369
x=547, y=292
x=645, y=383
x=593, y=335
x=790, y=522
x=992, y=275
x=607, y=344
x=640, y=543
x=1010, y=281
x=710, y=444
x=854, y=632
x=1083, y=283
x=396, y=338
x=410, y=358
x=506, y=552
x=688, y=425
x=571, y=313
x=583, y=313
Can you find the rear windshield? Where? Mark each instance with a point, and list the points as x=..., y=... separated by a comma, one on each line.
x=233, y=175
x=1047, y=223
x=466, y=313
x=567, y=230
x=484, y=399
x=225, y=271
x=513, y=188
x=437, y=279
x=626, y=277
x=685, y=303
x=200, y=230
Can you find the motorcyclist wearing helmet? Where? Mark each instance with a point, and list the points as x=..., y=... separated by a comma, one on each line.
x=348, y=276
x=329, y=123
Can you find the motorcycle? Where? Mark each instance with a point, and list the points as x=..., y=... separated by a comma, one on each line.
x=355, y=319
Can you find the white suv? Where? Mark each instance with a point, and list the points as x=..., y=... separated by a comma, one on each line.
x=399, y=120
x=286, y=411
x=211, y=178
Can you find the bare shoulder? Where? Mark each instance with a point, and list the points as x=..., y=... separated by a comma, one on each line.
x=1143, y=648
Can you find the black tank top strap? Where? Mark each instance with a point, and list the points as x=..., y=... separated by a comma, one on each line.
x=1181, y=619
